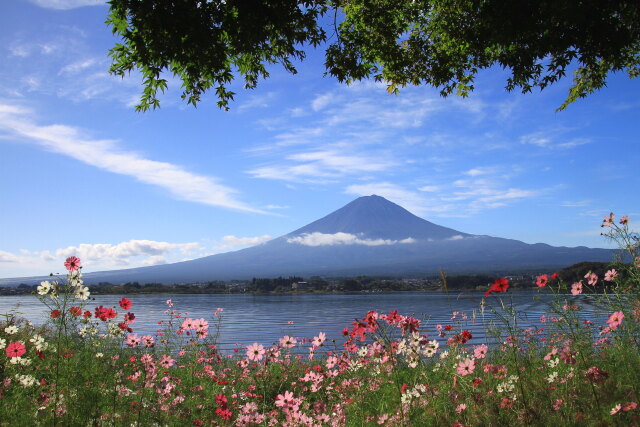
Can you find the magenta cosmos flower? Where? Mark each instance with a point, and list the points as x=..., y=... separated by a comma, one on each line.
x=72, y=263
x=16, y=349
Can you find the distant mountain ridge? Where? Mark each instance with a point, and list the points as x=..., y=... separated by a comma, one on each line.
x=368, y=236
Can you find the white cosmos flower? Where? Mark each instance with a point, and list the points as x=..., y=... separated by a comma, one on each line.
x=44, y=288
x=26, y=380
x=3, y=343
x=83, y=293
x=11, y=330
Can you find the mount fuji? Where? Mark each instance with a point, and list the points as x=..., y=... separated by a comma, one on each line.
x=369, y=236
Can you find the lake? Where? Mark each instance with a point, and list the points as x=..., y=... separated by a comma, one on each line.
x=266, y=318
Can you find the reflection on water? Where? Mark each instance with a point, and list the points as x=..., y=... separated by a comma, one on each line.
x=266, y=318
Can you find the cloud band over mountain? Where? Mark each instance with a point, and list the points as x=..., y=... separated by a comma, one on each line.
x=323, y=239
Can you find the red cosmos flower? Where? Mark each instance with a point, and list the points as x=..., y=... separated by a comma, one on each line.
x=87, y=314
x=542, y=280
x=16, y=349
x=125, y=303
x=500, y=285
x=225, y=414
x=221, y=400
x=555, y=276
x=55, y=314
x=129, y=318
x=72, y=263
x=104, y=313
x=75, y=311
x=124, y=327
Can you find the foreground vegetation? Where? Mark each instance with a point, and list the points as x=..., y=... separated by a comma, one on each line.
x=89, y=366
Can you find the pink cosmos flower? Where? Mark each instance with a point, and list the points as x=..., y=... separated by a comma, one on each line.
x=466, y=367
x=608, y=220
x=624, y=220
x=166, y=361
x=147, y=359
x=15, y=349
x=287, y=402
x=188, y=324
x=610, y=275
x=461, y=407
x=480, y=352
x=132, y=340
x=615, y=320
x=615, y=409
x=255, y=352
x=576, y=288
x=287, y=341
x=319, y=340
x=542, y=280
x=148, y=341
x=591, y=277
x=72, y=263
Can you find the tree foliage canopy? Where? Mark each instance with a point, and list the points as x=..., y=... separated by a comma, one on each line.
x=442, y=43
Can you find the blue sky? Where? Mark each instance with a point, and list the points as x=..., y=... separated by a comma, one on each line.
x=82, y=173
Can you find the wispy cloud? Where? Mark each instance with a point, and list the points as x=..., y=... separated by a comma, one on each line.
x=67, y=4
x=323, y=166
x=106, y=155
x=322, y=239
x=8, y=257
x=256, y=101
x=413, y=201
x=575, y=204
x=552, y=139
x=461, y=198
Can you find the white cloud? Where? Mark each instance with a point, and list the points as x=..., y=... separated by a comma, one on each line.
x=429, y=188
x=67, y=4
x=231, y=241
x=322, y=239
x=478, y=171
x=8, y=257
x=122, y=253
x=155, y=260
x=321, y=101
x=456, y=237
x=105, y=154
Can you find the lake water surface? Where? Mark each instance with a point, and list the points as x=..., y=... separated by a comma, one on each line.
x=266, y=318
